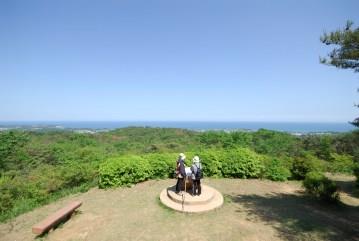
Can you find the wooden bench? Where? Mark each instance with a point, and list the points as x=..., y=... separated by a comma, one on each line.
x=55, y=218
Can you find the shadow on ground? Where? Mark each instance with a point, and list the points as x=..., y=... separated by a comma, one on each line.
x=348, y=187
x=298, y=217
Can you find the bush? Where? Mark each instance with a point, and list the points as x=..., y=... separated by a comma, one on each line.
x=319, y=186
x=341, y=164
x=305, y=164
x=12, y=155
x=50, y=179
x=123, y=171
x=127, y=170
x=20, y=193
x=241, y=163
x=75, y=175
x=6, y=199
x=17, y=188
x=211, y=161
x=275, y=170
x=162, y=165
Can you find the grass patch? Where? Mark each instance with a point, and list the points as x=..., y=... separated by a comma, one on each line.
x=227, y=199
x=164, y=207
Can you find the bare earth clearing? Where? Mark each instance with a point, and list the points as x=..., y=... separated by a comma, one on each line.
x=253, y=210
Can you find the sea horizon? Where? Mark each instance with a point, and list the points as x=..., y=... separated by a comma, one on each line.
x=286, y=126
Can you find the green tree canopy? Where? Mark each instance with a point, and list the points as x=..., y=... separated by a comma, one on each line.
x=346, y=53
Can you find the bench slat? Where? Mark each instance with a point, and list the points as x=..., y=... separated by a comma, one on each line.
x=55, y=218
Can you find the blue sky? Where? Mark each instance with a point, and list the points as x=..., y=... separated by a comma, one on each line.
x=173, y=60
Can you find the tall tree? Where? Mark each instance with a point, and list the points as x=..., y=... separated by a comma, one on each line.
x=345, y=54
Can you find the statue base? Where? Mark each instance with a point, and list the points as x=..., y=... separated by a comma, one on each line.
x=209, y=199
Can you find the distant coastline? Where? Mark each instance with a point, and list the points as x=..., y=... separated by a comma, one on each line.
x=95, y=126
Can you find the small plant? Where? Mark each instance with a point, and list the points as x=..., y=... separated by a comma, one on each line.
x=321, y=187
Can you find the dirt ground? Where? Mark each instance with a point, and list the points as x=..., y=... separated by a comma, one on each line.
x=253, y=210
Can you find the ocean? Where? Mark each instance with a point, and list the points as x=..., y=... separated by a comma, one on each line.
x=293, y=127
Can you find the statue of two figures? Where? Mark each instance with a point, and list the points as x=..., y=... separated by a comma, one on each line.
x=188, y=178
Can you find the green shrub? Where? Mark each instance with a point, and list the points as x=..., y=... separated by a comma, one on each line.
x=12, y=154
x=276, y=170
x=162, y=165
x=341, y=164
x=211, y=161
x=124, y=170
x=48, y=179
x=241, y=163
x=6, y=201
x=75, y=175
x=305, y=164
x=17, y=188
x=300, y=168
x=6, y=198
x=319, y=186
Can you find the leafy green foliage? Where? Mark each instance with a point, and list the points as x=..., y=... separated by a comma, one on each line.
x=274, y=143
x=346, y=55
x=276, y=170
x=242, y=139
x=305, y=164
x=341, y=164
x=122, y=171
x=321, y=145
x=42, y=183
x=6, y=201
x=241, y=163
x=347, y=143
x=162, y=165
x=212, y=162
x=219, y=139
x=37, y=167
x=125, y=170
x=12, y=155
x=263, y=141
x=319, y=186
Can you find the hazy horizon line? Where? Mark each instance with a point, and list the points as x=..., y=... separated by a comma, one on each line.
x=212, y=121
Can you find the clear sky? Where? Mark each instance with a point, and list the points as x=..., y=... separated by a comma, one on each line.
x=173, y=60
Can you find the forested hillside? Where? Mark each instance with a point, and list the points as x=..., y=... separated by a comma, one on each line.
x=38, y=167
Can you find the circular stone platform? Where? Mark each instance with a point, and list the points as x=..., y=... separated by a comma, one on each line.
x=185, y=202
